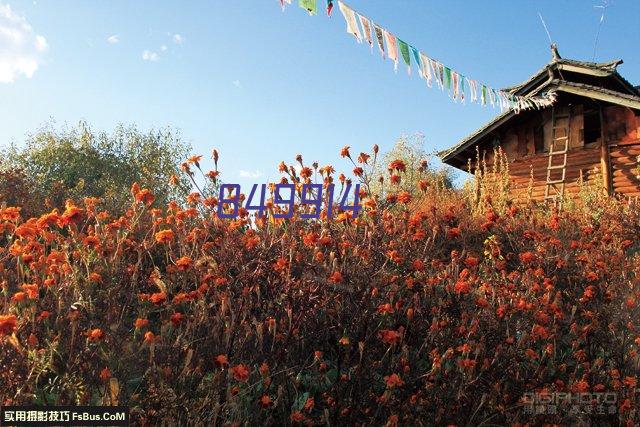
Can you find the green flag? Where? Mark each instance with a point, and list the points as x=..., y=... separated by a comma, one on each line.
x=309, y=5
x=447, y=77
x=484, y=95
x=404, y=49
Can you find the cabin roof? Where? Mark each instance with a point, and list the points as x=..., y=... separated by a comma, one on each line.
x=548, y=79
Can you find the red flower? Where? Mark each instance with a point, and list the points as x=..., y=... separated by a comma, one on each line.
x=240, y=372
x=336, y=277
x=95, y=334
x=141, y=323
x=8, y=324
x=398, y=165
x=221, y=360
x=393, y=380
x=390, y=336
x=527, y=257
x=184, y=263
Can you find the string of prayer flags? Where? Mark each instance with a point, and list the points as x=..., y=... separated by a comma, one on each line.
x=392, y=48
x=350, y=18
x=404, y=50
x=310, y=6
x=428, y=68
x=366, y=29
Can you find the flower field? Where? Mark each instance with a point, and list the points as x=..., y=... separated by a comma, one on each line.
x=427, y=308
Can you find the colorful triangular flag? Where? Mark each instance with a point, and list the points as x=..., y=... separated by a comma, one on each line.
x=366, y=29
x=404, y=50
x=379, y=38
x=392, y=48
x=310, y=6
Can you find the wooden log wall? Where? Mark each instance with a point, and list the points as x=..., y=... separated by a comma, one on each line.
x=622, y=131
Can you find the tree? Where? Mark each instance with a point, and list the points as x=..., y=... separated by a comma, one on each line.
x=409, y=149
x=76, y=163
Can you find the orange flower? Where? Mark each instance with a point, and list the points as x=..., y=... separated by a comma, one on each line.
x=72, y=213
x=344, y=341
x=363, y=158
x=145, y=196
x=18, y=296
x=462, y=287
x=471, y=261
x=309, y=404
x=158, y=298
x=105, y=374
x=195, y=160
x=221, y=360
x=265, y=401
x=296, y=417
x=385, y=309
x=184, y=263
x=336, y=277
x=240, y=372
x=141, y=323
x=389, y=336
x=95, y=334
x=398, y=165
x=8, y=324
x=527, y=257
x=630, y=382
x=149, y=337
x=91, y=241
x=393, y=380
x=95, y=277
x=345, y=151
x=10, y=214
x=164, y=236
x=31, y=290
x=177, y=318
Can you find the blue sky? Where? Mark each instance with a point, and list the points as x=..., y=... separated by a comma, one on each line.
x=262, y=85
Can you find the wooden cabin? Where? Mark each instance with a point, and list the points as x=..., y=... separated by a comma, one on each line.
x=591, y=133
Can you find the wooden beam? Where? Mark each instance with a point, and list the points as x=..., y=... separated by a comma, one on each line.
x=584, y=70
x=595, y=94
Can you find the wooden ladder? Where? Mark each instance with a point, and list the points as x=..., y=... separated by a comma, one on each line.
x=558, y=148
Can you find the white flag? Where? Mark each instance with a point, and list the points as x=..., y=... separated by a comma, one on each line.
x=352, y=23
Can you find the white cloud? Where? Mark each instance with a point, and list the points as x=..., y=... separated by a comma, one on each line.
x=21, y=48
x=163, y=47
x=147, y=55
x=113, y=39
x=178, y=39
x=251, y=174
x=237, y=83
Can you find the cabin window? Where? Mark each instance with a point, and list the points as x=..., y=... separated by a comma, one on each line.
x=592, y=126
x=538, y=139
